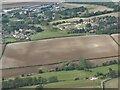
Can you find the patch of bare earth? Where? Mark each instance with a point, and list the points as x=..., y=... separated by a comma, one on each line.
x=95, y=48
x=58, y=50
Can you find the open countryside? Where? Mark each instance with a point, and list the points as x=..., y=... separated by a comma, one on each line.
x=66, y=82
x=92, y=8
x=60, y=45
x=58, y=50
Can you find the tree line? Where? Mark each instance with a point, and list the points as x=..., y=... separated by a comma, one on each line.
x=90, y=14
x=26, y=81
x=67, y=66
x=113, y=5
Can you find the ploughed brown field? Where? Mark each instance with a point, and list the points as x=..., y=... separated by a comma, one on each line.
x=58, y=50
x=35, y=69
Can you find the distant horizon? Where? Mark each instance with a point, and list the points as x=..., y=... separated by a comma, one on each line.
x=33, y=0
x=14, y=1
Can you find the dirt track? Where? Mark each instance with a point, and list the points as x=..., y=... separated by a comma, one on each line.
x=116, y=37
x=58, y=50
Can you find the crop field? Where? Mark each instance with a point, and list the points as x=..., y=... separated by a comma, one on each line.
x=27, y=70
x=58, y=50
x=100, y=61
x=35, y=69
x=92, y=8
x=21, y=4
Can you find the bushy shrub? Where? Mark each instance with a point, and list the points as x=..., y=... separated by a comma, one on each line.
x=22, y=75
x=76, y=78
x=40, y=71
x=52, y=79
x=39, y=87
x=86, y=78
x=112, y=73
x=102, y=77
x=98, y=74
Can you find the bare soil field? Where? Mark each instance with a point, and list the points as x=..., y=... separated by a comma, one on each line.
x=27, y=70
x=35, y=69
x=116, y=37
x=58, y=50
x=92, y=8
x=21, y=4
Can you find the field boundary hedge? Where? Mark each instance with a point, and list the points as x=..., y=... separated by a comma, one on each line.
x=55, y=63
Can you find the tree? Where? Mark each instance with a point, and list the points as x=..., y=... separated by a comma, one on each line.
x=39, y=29
x=112, y=73
x=21, y=82
x=39, y=87
x=99, y=74
x=71, y=66
x=88, y=25
x=22, y=75
x=5, y=19
x=76, y=78
x=64, y=66
x=34, y=81
x=40, y=71
x=42, y=80
x=52, y=79
x=81, y=21
x=82, y=64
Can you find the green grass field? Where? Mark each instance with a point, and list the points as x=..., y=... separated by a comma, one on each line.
x=66, y=78
x=51, y=32
x=63, y=75
x=72, y=84
x=9, y=40
x=112, y=83
x=48, y=34
x=54, y=34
